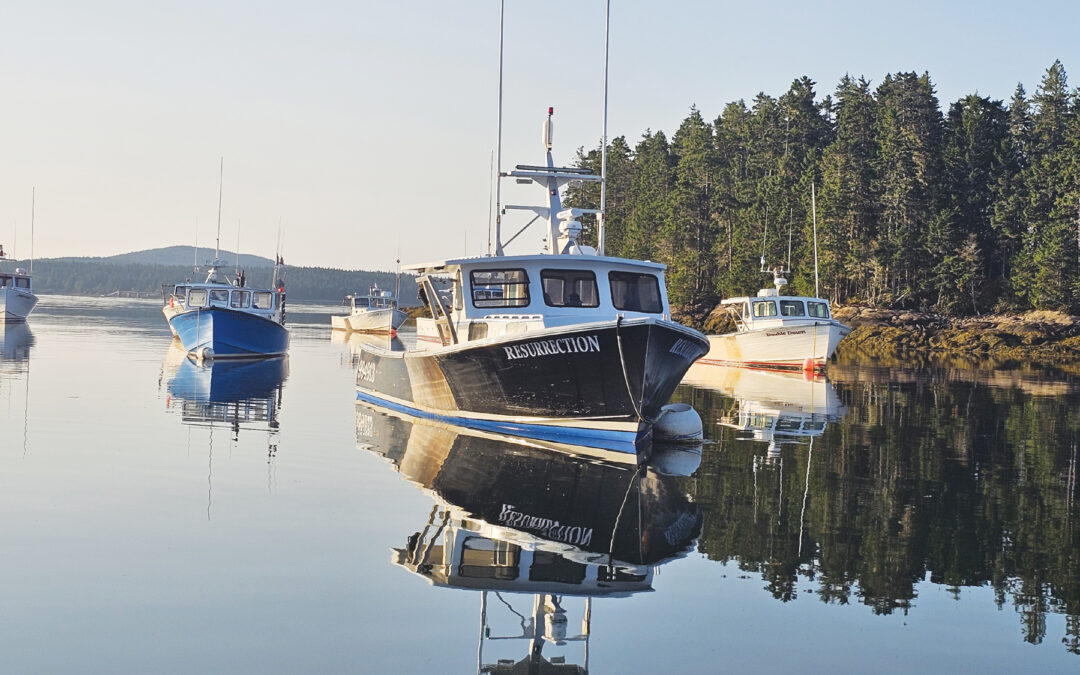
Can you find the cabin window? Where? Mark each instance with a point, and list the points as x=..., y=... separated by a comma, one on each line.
x=180, y=292
x=197, y=297
x=792, y=308
x=569, y=288
x=22, y=282
x=764, y=308
x=219, y=298
x=486, y=559
x=499, y=288
x=5, y=281
x=262, y=300
x=818, y=310
x=240, y=300
x=361, y=302
x=635, y=292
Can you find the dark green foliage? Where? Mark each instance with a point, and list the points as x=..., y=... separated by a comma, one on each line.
x=317, y=284
x=973, y=211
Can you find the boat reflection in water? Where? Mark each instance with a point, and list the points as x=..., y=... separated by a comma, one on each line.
x=15, y=343
x=512, y=517
x=353, y=341
x=240, y=394
x=774, y=407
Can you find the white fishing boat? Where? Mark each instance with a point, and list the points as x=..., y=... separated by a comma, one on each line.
x=568, y=345
x=17, y=297
x=775, y=331
x=376, y=312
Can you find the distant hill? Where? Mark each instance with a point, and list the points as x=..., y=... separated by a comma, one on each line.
x=143, y=273
x=173, y=255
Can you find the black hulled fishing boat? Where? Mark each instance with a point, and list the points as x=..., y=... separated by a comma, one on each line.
x=568, y=345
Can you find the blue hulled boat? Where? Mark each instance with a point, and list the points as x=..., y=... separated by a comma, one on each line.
x=226, y=319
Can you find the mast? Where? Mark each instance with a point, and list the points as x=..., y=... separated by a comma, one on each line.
x=498, y=146
x=813, y=207
x=33, y=203
x=603, y=147
x=221, y=180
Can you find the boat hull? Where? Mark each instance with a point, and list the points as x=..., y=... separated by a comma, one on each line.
x=794, y=347
x=16, y=303
x=599, y=385
x=229, y=333
x=370, y=321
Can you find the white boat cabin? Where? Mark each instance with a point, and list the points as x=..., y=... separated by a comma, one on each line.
x=769, y=310
x=375, y=299
x=20, y=279
x=490, y=297
x=202, y=296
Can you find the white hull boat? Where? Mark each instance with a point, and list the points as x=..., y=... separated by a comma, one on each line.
x=17, y=297
x=376, y=312
x=774, y=331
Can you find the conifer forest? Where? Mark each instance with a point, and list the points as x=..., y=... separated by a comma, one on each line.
x=969, y=209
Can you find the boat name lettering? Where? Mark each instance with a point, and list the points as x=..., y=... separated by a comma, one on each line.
x=366, y=371
x=785, y=332
x=686, y=349
x=545, y=527
x=568, y=345
x=365, y=425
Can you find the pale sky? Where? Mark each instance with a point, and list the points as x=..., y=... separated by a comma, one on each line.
x=364, y=126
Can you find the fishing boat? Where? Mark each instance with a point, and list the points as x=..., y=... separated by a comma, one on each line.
x=567, y=345
x=376, y=312
x=777, y=331
x=17, y=297
x=224, y=318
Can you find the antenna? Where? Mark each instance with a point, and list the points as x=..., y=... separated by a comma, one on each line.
x=765, y=239
x=491, y=176
x=196, y=244
x=237, y=246
x=600, y=230
x=813, y=207
x=498, y=178
x=221, y=180
x=33, y=203
x=790, y=225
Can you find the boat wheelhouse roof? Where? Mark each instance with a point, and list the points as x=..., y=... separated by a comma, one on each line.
x=747, y=298
x=561, y=260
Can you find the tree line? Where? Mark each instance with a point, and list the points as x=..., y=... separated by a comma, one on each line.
x=972, y=210
x=313, y=284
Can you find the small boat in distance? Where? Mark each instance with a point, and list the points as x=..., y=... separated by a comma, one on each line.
x=17, y=297
x=376, y=312
x=774, y=331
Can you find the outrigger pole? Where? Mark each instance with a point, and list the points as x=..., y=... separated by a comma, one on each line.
x=498, y=146
x=603, y=147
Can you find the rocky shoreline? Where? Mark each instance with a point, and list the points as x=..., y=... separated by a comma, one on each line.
x=1039, y=335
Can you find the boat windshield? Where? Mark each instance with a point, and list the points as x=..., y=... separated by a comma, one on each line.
x=500, y=288
x=792, y=308
x=634, y=292
x=22, y=282
x=818, y=310
x=262, y=300
x=764, y=308
x=569, y=288
x=196, y=297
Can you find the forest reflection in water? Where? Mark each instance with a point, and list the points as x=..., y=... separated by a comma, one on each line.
x=891, y=474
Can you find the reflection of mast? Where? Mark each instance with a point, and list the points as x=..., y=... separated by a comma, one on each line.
x=547, y=623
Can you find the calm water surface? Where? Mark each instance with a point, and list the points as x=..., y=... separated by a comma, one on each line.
x=162, y=517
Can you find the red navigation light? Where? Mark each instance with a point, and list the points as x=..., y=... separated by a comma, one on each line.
x=551, y=111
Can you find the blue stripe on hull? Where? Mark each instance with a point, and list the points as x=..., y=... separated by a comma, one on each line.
x=230, y=333
x=622, y=442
